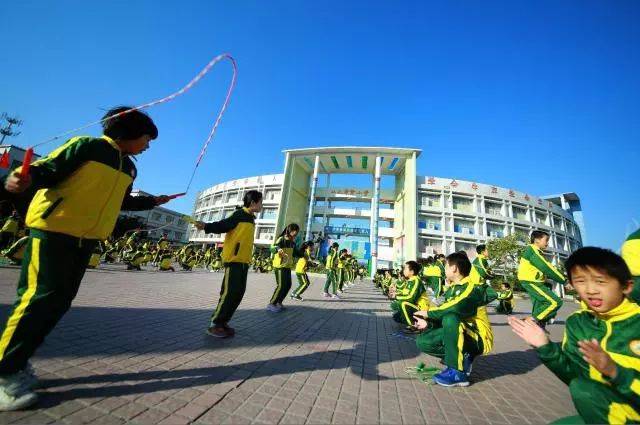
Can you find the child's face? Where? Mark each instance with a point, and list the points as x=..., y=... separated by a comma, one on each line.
x=255, y=207
x=406, y=271
x=504, y=287
x=542, y=242
x=450, y=271
x=135, y=146
x=485, y=252
x=600, y=291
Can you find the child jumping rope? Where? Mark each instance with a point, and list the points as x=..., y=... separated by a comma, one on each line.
x=301, y=270
x=283, y=250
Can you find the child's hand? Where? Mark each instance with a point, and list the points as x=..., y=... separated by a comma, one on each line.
x=593, y=354
x=419, y=323
x=17, y=183
x=529, y=331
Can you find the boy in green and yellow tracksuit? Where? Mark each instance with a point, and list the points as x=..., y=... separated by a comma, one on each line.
x=532, y=272
x=599, y=357
x=631, y=254
x=480, y=266
x=431, y=274
x=78, y=191
x=239, y=230
x=283, y=251
x=301, y=270
x=412, y=298
x=505, y=300
x=332, y=268
x=461, y=329
x=341, y=271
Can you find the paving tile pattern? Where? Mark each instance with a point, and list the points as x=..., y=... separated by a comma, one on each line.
x=132, y=349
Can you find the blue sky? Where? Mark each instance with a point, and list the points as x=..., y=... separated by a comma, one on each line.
x=540, y=96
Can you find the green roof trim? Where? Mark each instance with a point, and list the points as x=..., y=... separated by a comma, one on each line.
x=364, y=162
x=335, y=161
x=349, y=161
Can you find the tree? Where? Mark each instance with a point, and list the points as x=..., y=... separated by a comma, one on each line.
x=6, y=129
x=505, y=256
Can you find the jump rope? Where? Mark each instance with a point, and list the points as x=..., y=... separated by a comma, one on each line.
x=29, y=152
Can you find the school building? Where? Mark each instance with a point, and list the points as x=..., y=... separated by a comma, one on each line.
x=372, y=201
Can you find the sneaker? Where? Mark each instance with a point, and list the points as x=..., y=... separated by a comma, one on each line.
x=409, y=330
x=218, y=332
x=326, y=295
x=273, y=308
x=280, y=306
x=229, y=329
x=29, y=377
x=14, y=394
x=451, y=378
x=335, y=297
x=467, y=364
x=297, y=297
x=340, y=291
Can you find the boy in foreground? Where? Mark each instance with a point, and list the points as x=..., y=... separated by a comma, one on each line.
x=599, y=357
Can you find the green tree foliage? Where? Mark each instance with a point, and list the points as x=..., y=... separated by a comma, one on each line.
x=504, y=254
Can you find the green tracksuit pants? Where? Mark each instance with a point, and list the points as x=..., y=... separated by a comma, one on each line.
x=545, y=303
x=283, y=285
x=449, y=340
x=303, y=284
x=599, y=404
x=331, y=281
x=342, y=275
x=234, y=284
x=403, y=312
x=52, y=269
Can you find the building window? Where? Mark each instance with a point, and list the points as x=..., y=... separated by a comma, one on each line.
x=269, y=213
x=227, y=213
x=169, y=219
x=181, y=222
x=428, y=200
x=231, y=197
x=179, y=236
x=429, y=223
x=463, y=226
x=493, y=208
x=462, y=204
x=266, y=233
x=519, y=213
x=272, y=195
x=541, y=217
x=429, y=246
x=522, y=231
x=495, y=230
x=465, y=246
x=156, y=216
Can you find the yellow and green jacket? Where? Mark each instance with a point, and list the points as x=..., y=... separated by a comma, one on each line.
x=468, y=301
x=81, y=187
x=332, y=259
x=535, y=268
x=10, y=226
x=412, y=292
x=238, y=241
x=631, y=254
x=619, y=334
x=431, y=275
x=479, y=270
x=289, y=248
x=303, y=262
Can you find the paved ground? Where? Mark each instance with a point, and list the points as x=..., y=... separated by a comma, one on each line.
x=133, y=348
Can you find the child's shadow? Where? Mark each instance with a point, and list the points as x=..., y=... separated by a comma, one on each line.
x=496, y=365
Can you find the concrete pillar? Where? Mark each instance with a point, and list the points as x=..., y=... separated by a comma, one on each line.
x=374, y=217
x=314, y=184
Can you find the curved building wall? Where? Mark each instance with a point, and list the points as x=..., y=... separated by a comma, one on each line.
x=457, y=215
x=452, y=214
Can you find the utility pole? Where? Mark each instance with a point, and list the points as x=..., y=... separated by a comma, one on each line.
x=6, y=130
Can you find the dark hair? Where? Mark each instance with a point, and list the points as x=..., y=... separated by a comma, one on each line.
x=506, y=284
x=429, y=261
x=306, y=245
x=291, y=227
x=440, y=256
x=129, y=126
x=538, y=234
x=413, y=266
x=461, y=261
x=252, y=196
x=335, y=245
x=480, y=248
x=601, y=259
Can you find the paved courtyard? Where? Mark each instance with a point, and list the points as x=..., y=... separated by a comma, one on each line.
x=133, y=349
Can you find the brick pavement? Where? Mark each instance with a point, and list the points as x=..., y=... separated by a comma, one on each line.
x=133, y=349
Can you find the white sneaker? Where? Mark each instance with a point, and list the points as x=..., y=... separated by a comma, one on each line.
x=29, y=377
x=280, y=306
x=326, y=295
x=273, y=308
x=335, y=297
x=14, y=393
x=340, y=291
